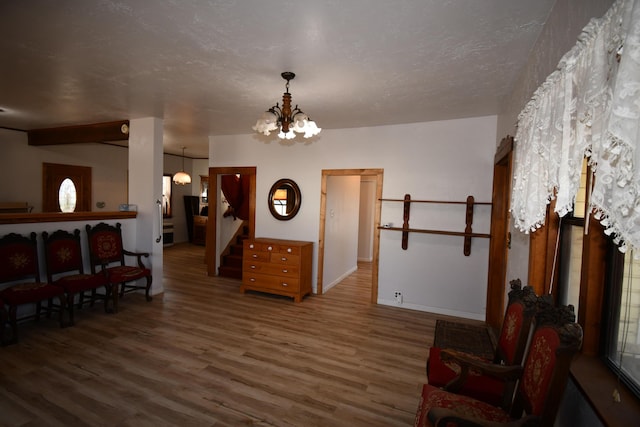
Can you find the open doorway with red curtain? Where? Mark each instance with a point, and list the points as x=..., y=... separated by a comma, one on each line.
x=246, y=208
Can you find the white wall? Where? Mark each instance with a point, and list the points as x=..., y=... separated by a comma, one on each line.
x=341, y=229
x=199, y=167
x=445, y=160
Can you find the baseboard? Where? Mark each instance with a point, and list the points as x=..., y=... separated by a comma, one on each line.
x=434, y=310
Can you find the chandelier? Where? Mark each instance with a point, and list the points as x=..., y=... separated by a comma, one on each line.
x=286, y=119
x=182, y=178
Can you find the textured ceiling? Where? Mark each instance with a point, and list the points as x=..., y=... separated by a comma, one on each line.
x=211, y=67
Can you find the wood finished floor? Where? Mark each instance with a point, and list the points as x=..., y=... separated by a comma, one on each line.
x=202, y=354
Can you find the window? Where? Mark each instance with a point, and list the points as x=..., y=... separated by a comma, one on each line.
x=571, y=247
x=622, y=311
x=603, y=284
x=67, y=196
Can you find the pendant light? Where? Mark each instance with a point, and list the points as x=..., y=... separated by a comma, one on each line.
x=182, y=178
x=287, y=120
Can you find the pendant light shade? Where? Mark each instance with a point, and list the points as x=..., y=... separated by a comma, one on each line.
x=182, y=178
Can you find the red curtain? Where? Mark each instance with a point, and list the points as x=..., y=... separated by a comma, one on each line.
x=236, y=191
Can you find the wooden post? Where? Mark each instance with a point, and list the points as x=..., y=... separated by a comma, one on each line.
x=468, y=230
x=405, y=225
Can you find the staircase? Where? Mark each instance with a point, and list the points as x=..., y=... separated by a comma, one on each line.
x=231, y=259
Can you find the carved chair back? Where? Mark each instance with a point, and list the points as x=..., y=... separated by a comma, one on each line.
x=105, y=245
x=63, y=252
x=19, y=258
x=516, y=326
x=556, y=339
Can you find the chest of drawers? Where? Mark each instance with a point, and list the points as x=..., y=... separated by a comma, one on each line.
x=276, y=266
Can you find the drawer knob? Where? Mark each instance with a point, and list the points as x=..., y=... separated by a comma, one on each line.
x=270, y=248
x=252, y=280
x=255, y=255
x=253, y=266
x=289, y=250
x=251, y=246
x=283, y=258
x=285, y=271
x=285, y=284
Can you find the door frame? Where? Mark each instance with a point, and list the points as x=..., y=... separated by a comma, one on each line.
x=379, y=174
x=212, y=221
x=52, y=176
x=500, y=234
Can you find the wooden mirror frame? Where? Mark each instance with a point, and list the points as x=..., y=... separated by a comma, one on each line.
x=290, y=186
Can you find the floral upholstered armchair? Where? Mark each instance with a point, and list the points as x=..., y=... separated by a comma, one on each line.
x=107, y=254
x=542, y=380
x=444, y=365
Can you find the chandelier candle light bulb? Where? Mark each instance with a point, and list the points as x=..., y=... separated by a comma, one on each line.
x=287, y=120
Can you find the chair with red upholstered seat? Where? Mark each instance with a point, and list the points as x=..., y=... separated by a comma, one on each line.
x=19, y=269
x=63, y=255
x=541, y=381
x=106, y=251
x=510, y=348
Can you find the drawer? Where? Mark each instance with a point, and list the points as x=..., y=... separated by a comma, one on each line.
x=252, y=255
x=255, y=280
x=260, y=246
x=286, y=249
x=276, y=248
x=273, y=269
x=280, y=258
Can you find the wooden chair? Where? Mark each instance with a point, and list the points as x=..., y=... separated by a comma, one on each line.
x=63, y=255
x=19, y=267
x=541, y=381
x=443, y=367
x=107, y=252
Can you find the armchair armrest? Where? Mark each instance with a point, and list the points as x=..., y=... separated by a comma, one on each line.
x=468, y=363
x=138, y=255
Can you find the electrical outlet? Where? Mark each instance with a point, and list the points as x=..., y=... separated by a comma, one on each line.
x=398, y=296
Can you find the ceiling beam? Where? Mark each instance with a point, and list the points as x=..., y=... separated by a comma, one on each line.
x=97, y=132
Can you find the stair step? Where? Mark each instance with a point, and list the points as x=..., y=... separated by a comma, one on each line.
x=236, y=250
x=232, y=261
x=232, y=272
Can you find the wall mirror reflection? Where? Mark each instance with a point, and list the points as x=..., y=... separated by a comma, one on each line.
x=284, y=199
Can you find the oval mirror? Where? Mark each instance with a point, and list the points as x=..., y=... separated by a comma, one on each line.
x=284, y=199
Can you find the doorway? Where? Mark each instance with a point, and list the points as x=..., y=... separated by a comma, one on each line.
x=377, y=174
x=211, y=245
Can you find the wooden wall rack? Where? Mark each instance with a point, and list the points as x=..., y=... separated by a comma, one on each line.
x=467, y=233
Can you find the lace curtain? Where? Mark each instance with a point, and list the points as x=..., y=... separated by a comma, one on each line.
x=589, y=106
